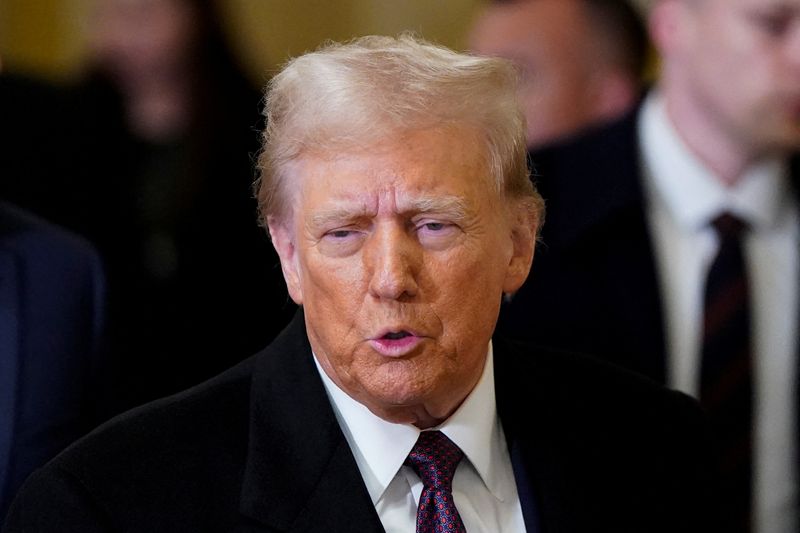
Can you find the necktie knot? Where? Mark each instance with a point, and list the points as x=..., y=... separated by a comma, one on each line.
x=729, y=226
x=434, y=458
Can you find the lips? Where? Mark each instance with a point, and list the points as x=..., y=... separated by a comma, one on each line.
x=395, y=342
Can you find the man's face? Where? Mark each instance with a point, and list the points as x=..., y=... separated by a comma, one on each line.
x=547, y=40
x=740, y=60
x=399, y=254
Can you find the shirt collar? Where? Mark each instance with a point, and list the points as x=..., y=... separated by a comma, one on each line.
x=691, y=192
x=381, y=447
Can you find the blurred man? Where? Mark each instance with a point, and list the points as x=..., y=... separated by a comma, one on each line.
x=52, y=321
x=395, y=187
x=51, y=325
x=673, y=237
x=581, y=60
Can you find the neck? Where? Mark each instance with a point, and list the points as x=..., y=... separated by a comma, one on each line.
x=727, y=156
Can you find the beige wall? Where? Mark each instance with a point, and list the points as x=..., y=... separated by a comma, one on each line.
x=268, y=31
x=45, y=36
x=41, y=36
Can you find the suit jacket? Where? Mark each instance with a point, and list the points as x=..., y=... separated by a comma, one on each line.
x=594, y=287
x=51, y=312
x=259, y=449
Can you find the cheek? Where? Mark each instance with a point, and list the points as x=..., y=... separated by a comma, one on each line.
x=469, y=292
x=332, y=278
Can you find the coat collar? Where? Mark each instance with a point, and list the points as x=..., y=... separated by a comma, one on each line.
x=300, y=474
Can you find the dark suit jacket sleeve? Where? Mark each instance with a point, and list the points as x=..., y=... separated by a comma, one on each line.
x=53, y=387
x=55, y=501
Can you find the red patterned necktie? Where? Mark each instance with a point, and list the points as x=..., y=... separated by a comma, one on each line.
x=434, y=458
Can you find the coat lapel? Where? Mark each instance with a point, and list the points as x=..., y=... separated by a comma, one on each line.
x=9, y=360
x=300, y=474
x=547, y=488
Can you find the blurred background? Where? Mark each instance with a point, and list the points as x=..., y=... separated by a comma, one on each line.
x=47, y=38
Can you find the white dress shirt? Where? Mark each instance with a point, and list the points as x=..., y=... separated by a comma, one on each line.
x=683, y=197
x=484, y=489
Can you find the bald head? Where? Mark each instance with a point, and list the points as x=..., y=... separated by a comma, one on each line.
x=580, y=60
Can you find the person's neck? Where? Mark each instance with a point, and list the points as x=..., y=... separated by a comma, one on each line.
x=727, y=156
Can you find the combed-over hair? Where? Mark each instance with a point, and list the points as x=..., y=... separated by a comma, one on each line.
x=355, y=94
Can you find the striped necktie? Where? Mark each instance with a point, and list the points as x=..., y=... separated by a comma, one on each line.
x=726, y=388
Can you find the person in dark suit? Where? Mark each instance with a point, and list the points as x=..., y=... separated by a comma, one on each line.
x=628, y=254
x=395, y=189
x=51, y=331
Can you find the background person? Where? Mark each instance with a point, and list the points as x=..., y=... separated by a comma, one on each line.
x=53, y=369
x=151, y=158
x=582, y=61
x=638, y=265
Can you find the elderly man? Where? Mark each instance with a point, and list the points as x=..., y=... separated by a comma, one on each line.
x=673, y=238
x=395, y=189
x=582, y=61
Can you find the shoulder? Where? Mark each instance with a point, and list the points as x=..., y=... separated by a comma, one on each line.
x=587, y=385
x=183, y=451
x=642, y=451
x=179, y=428
x=40, y=243
x=582, y=399
x=600, y=144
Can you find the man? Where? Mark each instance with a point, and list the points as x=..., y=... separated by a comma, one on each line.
x=631, y=258
x=581, y=61
x=51, y=323
x=395, y=188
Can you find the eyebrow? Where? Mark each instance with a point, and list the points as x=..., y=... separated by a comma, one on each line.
x=452, y=206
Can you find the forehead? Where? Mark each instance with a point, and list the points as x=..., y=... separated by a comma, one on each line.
x=788, y=7
x=532, y=24
x=421, y=164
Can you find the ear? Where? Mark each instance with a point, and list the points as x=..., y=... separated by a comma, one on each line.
x=283, y=240
x=524, y=225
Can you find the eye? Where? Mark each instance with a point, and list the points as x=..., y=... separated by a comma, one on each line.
x=341, y=242
x=437, y=234
x=435, y=226
x=774, y=24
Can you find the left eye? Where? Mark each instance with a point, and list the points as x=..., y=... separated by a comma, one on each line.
x=434, y=226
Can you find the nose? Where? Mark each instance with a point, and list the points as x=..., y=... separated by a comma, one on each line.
x=393, y=264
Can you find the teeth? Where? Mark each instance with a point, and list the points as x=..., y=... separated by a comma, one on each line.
x=398, y=335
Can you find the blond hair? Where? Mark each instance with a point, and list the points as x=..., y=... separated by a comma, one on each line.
x=353, y=94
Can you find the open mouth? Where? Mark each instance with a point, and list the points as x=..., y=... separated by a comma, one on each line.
x=396, y=335
x=396, y=343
